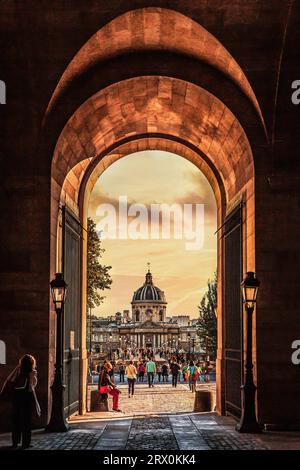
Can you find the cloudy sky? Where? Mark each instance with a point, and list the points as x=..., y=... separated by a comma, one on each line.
x=147, y=178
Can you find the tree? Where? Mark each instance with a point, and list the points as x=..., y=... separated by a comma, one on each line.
x=207, y=322
x=98, y=277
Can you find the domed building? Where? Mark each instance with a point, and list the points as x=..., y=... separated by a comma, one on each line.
x=149, y=302
x=148, y=325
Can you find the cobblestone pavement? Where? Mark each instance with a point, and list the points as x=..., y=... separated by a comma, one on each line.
x=151, y=434
x=180, y=430
x=203, y=431
x=160, y=399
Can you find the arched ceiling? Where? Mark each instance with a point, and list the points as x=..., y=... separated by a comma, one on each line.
x=96, y=167
x=156, y=105
x=154, y=29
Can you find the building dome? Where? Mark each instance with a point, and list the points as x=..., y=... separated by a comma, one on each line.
x=149, y=292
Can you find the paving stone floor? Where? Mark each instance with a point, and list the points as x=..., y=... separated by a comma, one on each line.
x=156, y=430
x=161, y=398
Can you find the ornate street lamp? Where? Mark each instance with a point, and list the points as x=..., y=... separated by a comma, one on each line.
x=57, y=421
x=248, y=422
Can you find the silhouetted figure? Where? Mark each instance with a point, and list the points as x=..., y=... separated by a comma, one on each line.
x=22, y=382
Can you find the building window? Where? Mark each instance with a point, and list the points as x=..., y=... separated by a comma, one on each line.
x=137, y=315
x=161, y=315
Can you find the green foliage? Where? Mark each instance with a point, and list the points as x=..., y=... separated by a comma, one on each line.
x=207, y=322
x=98, y=277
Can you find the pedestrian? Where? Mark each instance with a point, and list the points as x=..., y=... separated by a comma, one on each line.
x=122, y=373
x=179, y=372
x=19, y=387
x=184, y=371
x=131, y=373
x=175, y=369
x=165, y=372
x=151, y=370
x=159, y=371
x=198, y=365
x=141, y=371
x=193, y=374
x=106, y=386
x=206, y=372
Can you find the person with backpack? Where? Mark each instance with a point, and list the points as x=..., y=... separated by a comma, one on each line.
x=19, y=387
x=192, y=374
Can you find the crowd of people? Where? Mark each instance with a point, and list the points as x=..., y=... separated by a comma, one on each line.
x=141, y=354
x=149, y=370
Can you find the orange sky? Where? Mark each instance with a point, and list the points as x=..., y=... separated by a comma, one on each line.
x=151, y=177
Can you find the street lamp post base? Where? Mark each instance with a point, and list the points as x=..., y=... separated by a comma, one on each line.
x=248, y=422
x=252, y=428
x=57, y=421
x=57, y=427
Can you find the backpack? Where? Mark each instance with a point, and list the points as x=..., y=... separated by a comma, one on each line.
x=193, y=371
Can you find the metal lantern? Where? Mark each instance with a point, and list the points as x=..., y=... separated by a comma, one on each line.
x=250, y=286
x=58, y=291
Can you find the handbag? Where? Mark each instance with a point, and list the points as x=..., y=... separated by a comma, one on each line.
x=7, y=390
x=8, y=387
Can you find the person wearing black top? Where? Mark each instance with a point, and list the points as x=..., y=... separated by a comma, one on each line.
x=21, y=384
x=175, y=369
x=165, y=372
x=105, y=380
x=122, y=373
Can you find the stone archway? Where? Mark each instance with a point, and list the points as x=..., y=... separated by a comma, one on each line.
x=134, y=118
x=156, y=112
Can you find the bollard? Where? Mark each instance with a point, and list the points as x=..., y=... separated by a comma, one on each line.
x=97, y=402
x=204, y=401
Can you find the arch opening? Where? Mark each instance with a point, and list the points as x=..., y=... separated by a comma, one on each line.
x=148, y=112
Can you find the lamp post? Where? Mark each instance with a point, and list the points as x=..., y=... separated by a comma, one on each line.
x=110, y=349
x=120, y=345
x=193, y=345
x=57, y=421
x=189, y=340
x=206, y=348
x=248, y=422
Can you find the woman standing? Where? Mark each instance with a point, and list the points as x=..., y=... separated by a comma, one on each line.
x=106, y=386
x=131, y=372
x=22, y=382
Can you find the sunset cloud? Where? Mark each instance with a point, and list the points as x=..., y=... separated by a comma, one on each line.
x=147, y=178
